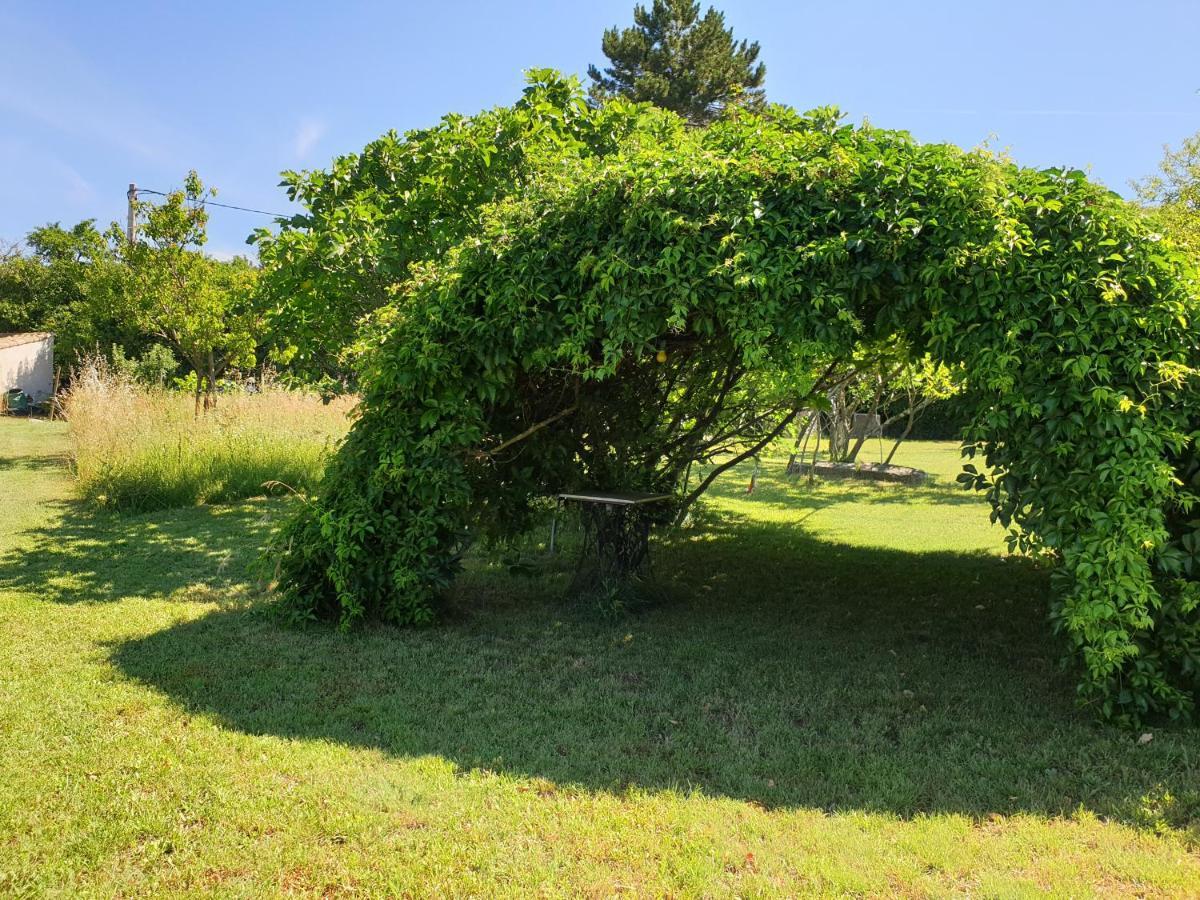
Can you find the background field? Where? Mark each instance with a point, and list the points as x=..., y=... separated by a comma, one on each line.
x=845, y=689
x=137, y=449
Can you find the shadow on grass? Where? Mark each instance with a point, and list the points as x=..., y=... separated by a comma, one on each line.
x=782, y=670
x=87, y=555
x=34, y=463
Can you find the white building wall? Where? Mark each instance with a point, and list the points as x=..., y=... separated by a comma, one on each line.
x=29, y=367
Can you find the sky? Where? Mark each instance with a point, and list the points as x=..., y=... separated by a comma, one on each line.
x=94, y=95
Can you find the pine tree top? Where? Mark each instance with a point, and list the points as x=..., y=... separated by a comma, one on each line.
x=679, y=60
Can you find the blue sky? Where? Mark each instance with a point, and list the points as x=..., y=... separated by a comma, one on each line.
x=95, y=95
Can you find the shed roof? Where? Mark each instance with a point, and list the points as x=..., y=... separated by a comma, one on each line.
x=16, y=338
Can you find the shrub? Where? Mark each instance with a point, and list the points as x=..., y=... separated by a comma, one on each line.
x=595, y=326
x=153, y=368
x=139, y=448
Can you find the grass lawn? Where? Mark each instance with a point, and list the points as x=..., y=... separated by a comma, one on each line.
x=848, y=689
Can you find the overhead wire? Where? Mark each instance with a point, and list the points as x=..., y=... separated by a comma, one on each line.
x=261, y=212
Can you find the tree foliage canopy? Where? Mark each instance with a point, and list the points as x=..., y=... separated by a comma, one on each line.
x=522, y=350
x=679, y=60
x=50, y=285
x=411, y=198
x=1175, y=193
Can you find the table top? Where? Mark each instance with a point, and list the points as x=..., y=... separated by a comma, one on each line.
x=615, y=498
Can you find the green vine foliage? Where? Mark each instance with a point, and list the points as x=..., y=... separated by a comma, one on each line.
x=411, y=198
x=563, y=334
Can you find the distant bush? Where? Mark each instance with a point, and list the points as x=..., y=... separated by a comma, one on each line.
x=139, y=448
x=153, y=368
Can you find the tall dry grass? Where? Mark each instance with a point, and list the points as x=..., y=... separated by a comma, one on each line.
x=138, y=448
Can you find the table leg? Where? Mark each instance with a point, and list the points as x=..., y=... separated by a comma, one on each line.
x=554, y=526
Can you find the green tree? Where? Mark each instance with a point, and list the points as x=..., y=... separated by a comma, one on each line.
x=48, y=285
x=622, y=317
x=883, y=378
x=205, y=309
x=676, y=59
x=1174, y=194
x=20, y=305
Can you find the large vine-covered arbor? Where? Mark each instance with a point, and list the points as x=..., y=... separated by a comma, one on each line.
x=613, y=315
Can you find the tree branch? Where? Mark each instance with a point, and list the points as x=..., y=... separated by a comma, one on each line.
x=532, y=429
x=725, y=466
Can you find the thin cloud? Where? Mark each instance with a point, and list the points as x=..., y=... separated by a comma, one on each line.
x=62, y=188
x=94, y=108
x=307, y=136
x=75, y=187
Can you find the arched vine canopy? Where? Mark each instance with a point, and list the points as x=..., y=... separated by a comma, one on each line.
x=513, y=278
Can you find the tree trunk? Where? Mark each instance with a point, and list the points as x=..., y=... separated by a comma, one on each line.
x=912, y=418
x=803, y=429
x=858, y=444
x=841, y=424
x=833, y=421
x=210, y=378
x=812, y=469
x=862, y=438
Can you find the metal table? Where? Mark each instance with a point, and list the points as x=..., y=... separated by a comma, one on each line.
x=608, y=499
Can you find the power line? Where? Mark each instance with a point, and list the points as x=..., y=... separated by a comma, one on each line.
x=261, y=212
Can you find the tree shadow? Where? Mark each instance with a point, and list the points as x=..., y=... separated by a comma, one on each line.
x=88, y=555
x=781, y=670
x=35, y=463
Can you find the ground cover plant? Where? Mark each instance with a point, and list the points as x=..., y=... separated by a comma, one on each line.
x=138, y=448
x=656, y=295
x=850, y=690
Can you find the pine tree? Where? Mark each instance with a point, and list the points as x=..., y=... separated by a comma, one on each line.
x=675, y=59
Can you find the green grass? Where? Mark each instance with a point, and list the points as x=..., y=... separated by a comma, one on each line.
x=846, y=690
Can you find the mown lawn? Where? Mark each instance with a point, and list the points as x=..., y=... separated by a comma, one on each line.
x=846, y=689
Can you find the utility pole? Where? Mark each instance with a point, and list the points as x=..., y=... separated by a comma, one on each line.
x=131, y=220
